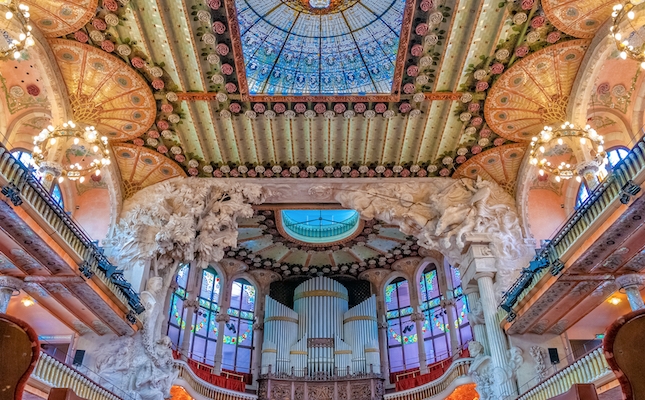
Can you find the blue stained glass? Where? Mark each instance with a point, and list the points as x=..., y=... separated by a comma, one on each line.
x=290, y=48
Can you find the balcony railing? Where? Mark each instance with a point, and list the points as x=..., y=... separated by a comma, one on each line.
x=19, y=185
x=458, y=369
x=622, y=183
x=591, y=368
x=206, y=389
x=53, y=373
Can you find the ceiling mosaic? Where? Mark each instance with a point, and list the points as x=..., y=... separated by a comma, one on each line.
x=580, y=18
x=349, y=47
x=56, y=18
x=219, y=101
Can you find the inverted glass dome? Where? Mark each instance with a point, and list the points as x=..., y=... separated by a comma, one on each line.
x=323, y=47
x=320, y=226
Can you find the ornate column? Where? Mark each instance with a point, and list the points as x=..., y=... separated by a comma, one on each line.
x=8, y=286
x=258, y=334
x=418, y=317
x=451, y=310
x=382, y=340
x=191, y=304
x=632, y=284
x=222, y=319
x=479, y=266
x=476, y=316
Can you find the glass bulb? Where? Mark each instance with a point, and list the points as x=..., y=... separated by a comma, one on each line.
x=76, y=140
x=52, y=141
x=61, y=179
x=578, y=178
x=8, y=15
x=82, y=179
x=560, y=141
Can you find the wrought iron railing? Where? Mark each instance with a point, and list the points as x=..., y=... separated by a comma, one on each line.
x=209, y=391
x=19, y=185
x=622, y=183
x=458, y=369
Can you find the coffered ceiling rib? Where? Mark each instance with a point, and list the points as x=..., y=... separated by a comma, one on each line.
x=377, y=136
x=432, y=136
x=390, y=123
x=356, y=143
x=199, y=125
x=61, y=294
x=485, y=36
x=246, y=144
x=225, y=138
x=193, y=143
x=317, y=139
x=451, y=134
x=281, y=139
x=152, y=26
x=63, y=315
x=207, y=125
x=411, y=147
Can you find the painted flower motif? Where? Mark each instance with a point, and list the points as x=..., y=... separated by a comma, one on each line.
x=259, y=169
x=363, y=169
x=204, y=16
x=290, y=114
x=388, y=173
x=480, y=74
x=163, y=124
x=222, y=49
x=311, y=169
x=124, y=50
x=354, y=173
x=193, y=163
x=481, y=86
x=431, y=40
x=483, y=142
x=425, y=61
x=174, y=118
x=286, y=173
x=158, y=84
x=320, y=108
x=234, y=173
x=111, y=19
x=471, y=130
x=409, y=88
x=138, y=142
x=389, y=114
x=418, y=97
x=252, y=173
x=497, y=68
x=371, y=173
x=425, y=5
x=276, y=169
x=243, y=169
x=97, y=36
x=153, y=134
x=152, y=142
x=180, y=158
x=235, y=108
x=303, y=174
x=499, y=141
x=219, y=27
x=162, y=149
x=214, y=4
x=320, y=173
x=415, y=168
x=310, y=114
x=328, y=169
x=432, y=168
x=369, y=114
x=477, y=121
x=300, y=108
x=422, y=173
x=137, y=62
x=227, y=69
x=279, y=108
x=405, y=173
x=405, y=107
x=33, y=90
x=522, y=51
x=444, y=172
x=337, y=174
x=527, y=4
x=294, y=169
x=251, y=114
x=339, y=108
x=210, y=40
x=460, y=159
x=553, y=37
x=81, y=36
x=436, y=18
x=603, y=88
x=532, y=37
x=485, y=133
x=175, y=150
x=413, y=70
x=502, y=54
x=360, y=107
x=110, y=5
x=217, y=79
x=99, y=24
x=466, y=97
x=172, y=96
x=329, y=114
x=538, y=22
x=166, y=108
x=217, y=173
x=447, y=160
x=421, y=29
x=380, y=108
x=422, y=80
x=269, y=114
x=465, y=116
x=416, y=50
x=208, y=169
x=213, y=59
x=473, y=107
x=379, y=169
x=193, y=171
x=259, y=108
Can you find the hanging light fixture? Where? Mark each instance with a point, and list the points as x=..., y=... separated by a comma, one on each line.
x=11, y=47
x=628, y=30
x=320, y=3
x=79, y=150
x=586, y=139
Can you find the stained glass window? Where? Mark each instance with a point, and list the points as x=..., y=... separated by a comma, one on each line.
x=435, y=337
x=616, y=155
x=292, y=48
x=177, y=313
x=238, y=332
x=320, y=226
x=27, y=160
x=402, y=332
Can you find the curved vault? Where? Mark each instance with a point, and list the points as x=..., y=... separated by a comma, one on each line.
x=141, y=167
x=57, y=18
x=535, y=91
x=500, y=164
x=104, y=91
x=579, y=18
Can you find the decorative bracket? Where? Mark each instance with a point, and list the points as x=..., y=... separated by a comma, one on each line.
x=626, y=192
x=12, y=193
x=86, y=271
x=556, y=267
x=131, y=317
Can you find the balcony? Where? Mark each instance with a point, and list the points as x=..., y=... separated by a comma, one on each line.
x=456, y=375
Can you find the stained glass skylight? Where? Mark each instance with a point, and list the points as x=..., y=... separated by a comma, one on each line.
x=293, y=48
x=320, y=226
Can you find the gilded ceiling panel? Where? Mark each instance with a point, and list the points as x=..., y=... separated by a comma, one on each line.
x=104, y=91
x=535, y=91
x=141, y=167
x=57, y=18
x=579, y=18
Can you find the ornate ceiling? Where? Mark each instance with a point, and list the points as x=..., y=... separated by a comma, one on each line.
x=461, y=91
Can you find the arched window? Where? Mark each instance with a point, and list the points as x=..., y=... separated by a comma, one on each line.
x=465, y=333
x=177, y=317
x=614, y=156
x=27, y=160
x=435, y=333
x=402, y=333
x=238, y=332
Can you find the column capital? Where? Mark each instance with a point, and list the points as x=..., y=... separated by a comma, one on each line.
x=478, y=260
x=10, y=282
x=222, y=317
x=417, y=316
x=631, y=280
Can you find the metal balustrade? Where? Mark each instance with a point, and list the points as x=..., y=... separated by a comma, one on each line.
x=19, y=185
x=622, y=183
x=56, y=374
x=458, y=369
x=206, y=389
x=589, y=369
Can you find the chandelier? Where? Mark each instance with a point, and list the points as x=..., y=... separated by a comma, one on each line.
x=71, y=151
x=555, y=142
x=319, y=3
x=11, y=11
x=628, y=30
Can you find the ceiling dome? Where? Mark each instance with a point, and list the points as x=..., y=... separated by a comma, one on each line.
x=320, y=226
x=346, y=47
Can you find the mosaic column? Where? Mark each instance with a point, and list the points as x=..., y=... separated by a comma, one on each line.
x=8, y=286
x=632, y=285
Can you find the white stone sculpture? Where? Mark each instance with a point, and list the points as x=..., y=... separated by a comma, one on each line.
x=537, y=353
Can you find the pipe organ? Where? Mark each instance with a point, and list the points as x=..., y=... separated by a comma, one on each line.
x=321, y=335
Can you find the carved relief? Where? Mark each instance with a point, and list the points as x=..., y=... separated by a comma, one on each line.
x=320, y=392
x=281, y=391
x=538, y=355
